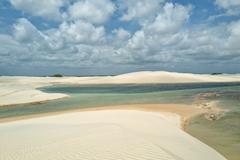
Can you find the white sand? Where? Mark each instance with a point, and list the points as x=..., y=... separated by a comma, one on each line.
x=16, y=90
x=102, y=135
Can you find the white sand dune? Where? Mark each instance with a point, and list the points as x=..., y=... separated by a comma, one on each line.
x=173, y=77
x=102, y=135
x=16, y=93
x=16, y=90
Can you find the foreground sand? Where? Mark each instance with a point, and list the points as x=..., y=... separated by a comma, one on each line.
x=107, y=134
x=18, y=90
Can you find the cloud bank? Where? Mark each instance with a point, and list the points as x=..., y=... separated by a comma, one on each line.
x=96, y=34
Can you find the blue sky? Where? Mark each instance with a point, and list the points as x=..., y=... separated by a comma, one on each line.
x=89, y=37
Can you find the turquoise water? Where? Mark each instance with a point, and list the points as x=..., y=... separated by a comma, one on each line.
x=105, y=95
x=222, y=134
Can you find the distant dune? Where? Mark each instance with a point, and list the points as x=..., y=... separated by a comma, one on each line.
x=172, y=77
x=16, y=90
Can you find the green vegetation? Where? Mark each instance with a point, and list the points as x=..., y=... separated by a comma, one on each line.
x=216, y=73
x=57, y=75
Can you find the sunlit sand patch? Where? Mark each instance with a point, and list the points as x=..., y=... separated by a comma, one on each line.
x=108, y=134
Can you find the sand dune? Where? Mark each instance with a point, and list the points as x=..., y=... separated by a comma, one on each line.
x=102, y=135
x=172, y=77
x=16, y=93
x=16, y=90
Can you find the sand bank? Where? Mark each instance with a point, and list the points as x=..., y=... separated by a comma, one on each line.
x=186, y=112
x=18, y=90
x=12, y=94
x=108, y=134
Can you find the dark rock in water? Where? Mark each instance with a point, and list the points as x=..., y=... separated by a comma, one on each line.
x=213, y=116
x=210, y=117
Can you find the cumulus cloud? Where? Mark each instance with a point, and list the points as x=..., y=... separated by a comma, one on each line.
x=139, y=9
x=170, y=20
x=45, y=8
x=234, y=37
x=29, y=36
x=72, y=43
x=121, y=34
x=231, y=6
x=84, y=38
x=165, y=40
x=11, y=51
x=72, y=33
x=96, y=12
x=137, y=41
x=26, y=32
x=156, y=37
x=82, y=32
x=8, y=44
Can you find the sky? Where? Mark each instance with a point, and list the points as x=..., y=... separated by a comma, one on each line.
x=108, y=37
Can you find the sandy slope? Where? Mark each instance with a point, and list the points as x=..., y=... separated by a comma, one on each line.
x=102, y=135
x=17, y=93
x=16, y=90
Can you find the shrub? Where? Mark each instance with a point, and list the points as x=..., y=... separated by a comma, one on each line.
x=57, y=75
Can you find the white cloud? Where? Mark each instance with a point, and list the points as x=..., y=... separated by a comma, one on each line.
x=11, y=50
x=228, y=3
x=232, y=6
x=137, y=41
x=121, y=34
x=139, y=9
x=24, y=31
x=29, y=36
x=93, y=11
x=67, y=35
x=45, y=8
x=163, y=39
x=170, y=20
x=158, y=36
x=82, y=32
x=8, y=43
x=234, y=37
